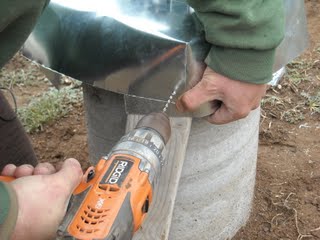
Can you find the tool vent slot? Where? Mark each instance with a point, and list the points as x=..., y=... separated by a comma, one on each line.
x=103, y=187
x=87, y=231
x=91, y=218
x=108, y=188
x=95, y=211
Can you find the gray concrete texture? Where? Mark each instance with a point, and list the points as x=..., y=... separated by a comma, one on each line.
x=217, y=182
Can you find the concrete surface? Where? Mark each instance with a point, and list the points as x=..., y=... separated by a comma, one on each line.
x=217, y=182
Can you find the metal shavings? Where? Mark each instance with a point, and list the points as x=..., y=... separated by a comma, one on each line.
x=169, y=101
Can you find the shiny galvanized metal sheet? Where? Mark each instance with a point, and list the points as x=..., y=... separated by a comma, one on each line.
x=142, y=49
x=296, y=34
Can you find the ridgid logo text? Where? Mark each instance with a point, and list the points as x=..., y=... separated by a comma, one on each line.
x=118, y=171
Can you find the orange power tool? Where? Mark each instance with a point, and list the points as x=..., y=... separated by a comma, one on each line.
x=6, y=179
x=113, y=202
x=115, y=198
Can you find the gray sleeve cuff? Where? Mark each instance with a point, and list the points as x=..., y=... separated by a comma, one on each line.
x=8, y=210
x=247, y=65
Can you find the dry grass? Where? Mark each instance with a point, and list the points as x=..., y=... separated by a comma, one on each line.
x=49, y=107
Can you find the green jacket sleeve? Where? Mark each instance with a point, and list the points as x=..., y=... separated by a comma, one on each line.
x=17, y=20
x=244, y=35
x=8, y=210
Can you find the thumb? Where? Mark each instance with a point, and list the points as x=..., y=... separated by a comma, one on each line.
x=70, y=174
x=221, y=116
x=194, y=98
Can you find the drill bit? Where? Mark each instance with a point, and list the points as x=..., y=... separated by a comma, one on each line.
x=169, y=101
x=174, y=92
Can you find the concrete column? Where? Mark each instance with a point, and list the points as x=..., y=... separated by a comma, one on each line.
x=217, y=182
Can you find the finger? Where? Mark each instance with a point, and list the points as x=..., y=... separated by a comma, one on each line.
x=9, y=170
x=193, y=98
x=224, y=115
x=69, y=175
x=23, y=171
x=44, y=169
x=221, y=116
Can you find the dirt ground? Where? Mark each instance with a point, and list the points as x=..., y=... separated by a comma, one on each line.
x=287, y=194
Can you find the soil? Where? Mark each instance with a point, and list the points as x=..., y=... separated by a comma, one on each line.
x=287, y=194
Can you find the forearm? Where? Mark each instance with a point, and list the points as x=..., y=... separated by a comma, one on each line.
x=8, y=210
x=243, y=34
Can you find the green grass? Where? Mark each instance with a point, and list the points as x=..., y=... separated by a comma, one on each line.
x=292, y=107
x=293, y=115
x=272, y=100
x=313, y=101
x=297, y=71
x=49, y=107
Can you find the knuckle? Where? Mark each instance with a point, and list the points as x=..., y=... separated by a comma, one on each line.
x=187, y=102
x=45, y=164
x=208, y=85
